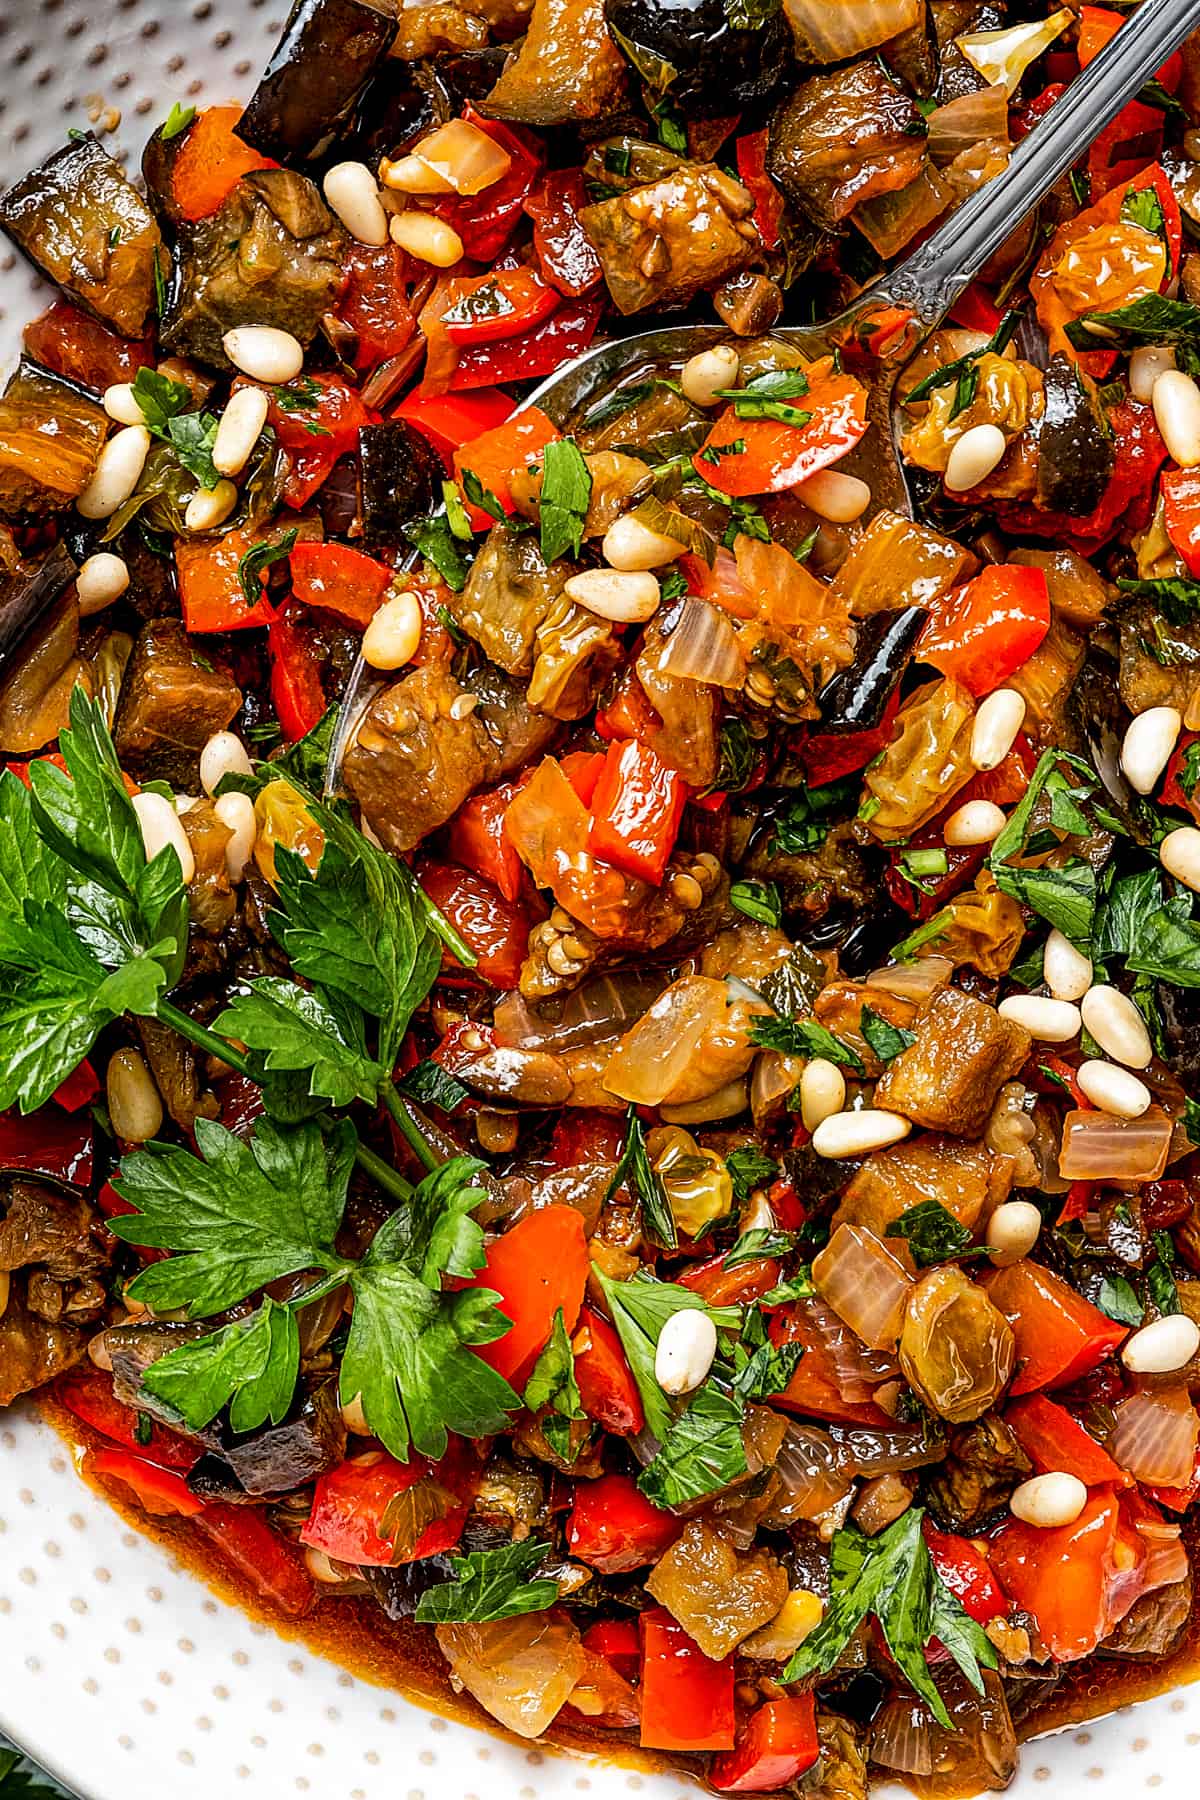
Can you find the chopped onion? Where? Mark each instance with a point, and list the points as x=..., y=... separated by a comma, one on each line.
x=1166, y=1561
x=872, y=1450
x=912, y=981
x=703, y=647
x=1155, y=1437
x=827, y=31
x=857, y=1370
x=521, y=1670
x=1096, y=1146
x=1003, y=56
x=969, y=120
x=864, y=1284
x=890, y=221
x=590, y=1014
x=805, y=1465
x=464, y=156
x=900, y=1737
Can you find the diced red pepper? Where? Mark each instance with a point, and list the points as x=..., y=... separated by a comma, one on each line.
x=1078, y=1202
x=158, y=1491
x=617, y=1641
x=583, y=769
x=566, y=255
x=813, y=1387
x=495, y=456
x=565, y=334
x=827, y=756
x=1180, y=489
x=774, y=456
x=607, y=1391
x=476, y=839
x=975, y=310
x=350, y=1504
x=732, y=1287
x=80, y=1086
x=296, y=691
x=981, y=633
x=614, y=1528
x=375, y=303
x=339, y=579
x=768, y=201
x=261, y=1557
x=1075, y=1580
x=628, y=714
x=1098, y=24
x=112, y=1205
x=1173, y=792
x=538, y=1267
x=48, y=1142
x=1052, y=1439
x=210, y=591
x=775, y=1746
x=497, y=930
x=503, y=304
x=88, y=1394
x=72, y=343
x=318, y=424
x=211, y=162
x=687, y=1698
x=448, y=420
x=1060, y=1335
x=966, y=1571
x=1140, y=453
x=1124, y=146
x=636, y=811
x=586, y=1137
x=485, y=221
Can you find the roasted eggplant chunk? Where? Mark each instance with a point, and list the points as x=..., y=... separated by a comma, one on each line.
x=273, y=253
x=706, y=65
x=81, y=221
x=399, y=474
x=172, y=700
x=1075, y=444
x=566, y=69
x=50, y=437
x=30, y=589
x=659, y=244
x=327, y=54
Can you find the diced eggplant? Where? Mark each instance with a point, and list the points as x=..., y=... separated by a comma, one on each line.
x=843, y=137
x=172, y=701
x=566, y=68
x=328, y=52
x=30, y=590
x=50, y=438
x=706, y=65
x=660, y=244
x=80, y=220
x=509, y=593
x=35, y=694
x=398, y=105
x=398, y=1590
x=1075, y=445
x=413, y=762
x=856, y=697
x=518, y=733
x=272, y=255
x=279, y=1459
x=400, y=475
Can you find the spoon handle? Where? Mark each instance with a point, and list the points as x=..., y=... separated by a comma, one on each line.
x=931, y=280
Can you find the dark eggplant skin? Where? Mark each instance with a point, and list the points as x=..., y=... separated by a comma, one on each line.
x=1075, y=447
x=398, y=1590
x=277, y=1460
x=28, y=593
x=328, y=52
x=1179, y=1013
x=400, y=475
x=856, y=698
x=689, y=49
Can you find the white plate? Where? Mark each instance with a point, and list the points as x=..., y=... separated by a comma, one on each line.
x=118, y=1669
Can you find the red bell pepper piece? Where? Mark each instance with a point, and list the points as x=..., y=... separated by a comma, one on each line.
x=211, y=162
x=72, y=343
x=80, y=1086
x=1098, y=24
x=566, y=255
x=687, y=1698
x=318, y=424
x=375, y=302
x=607, y=1391
x=495, y=456
x=296, y=691
x=614, y=1528
x=113, y=1206
x=261, y=1557
x=1052, y=1439
x=586, y=1137
x=48, y=1142
x=636, y=810
x=448, y=420
x=768, y=201
x=1078, y=1202
x=485, y=221
x=813, y=1387
x=975, y=310
x=775, y=456
x=583, y=769
x=967, y=1573
x=1180, y=489
x=1060, y=1335
x=158, y=1491
x=565, y=334
x=732, y=1287
x=88, y=1395
x=617, y=1641
x=777, y=1744
x=1076, y=1580
x=628, y=714
x=1124, y=146
x=475, y=838
x=981, y=633
x=502, y=304
x=827, y=756
x=1174, y=792
x=542, y=1264
x=350, y=1503
x=210, y=591
x=497, y=930
x=341, y=580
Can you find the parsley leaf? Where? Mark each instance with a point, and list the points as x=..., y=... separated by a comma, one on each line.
x=483, y=497
x=430, y=1085
x=1142, y=206
x=767, y=1371
x=434, y=538
x=965, y=368
x=566, y=490
x=749, y=1168
x=702, y=1451
x=643, y=1179
x=177, y=121
x=887, y=1041
x=490, y=1584
x=811, y=814
x=1117, y=1300
x=302, y=395
x=932, y=1233
x=253, y=1363
x=1151, y=320
x=20, y=1784
x=640, y=1308
x=1065, y=897
x=758, y=900
x=760, y=1240
x=804, y=1037
x=164, y=404
x=552, y=1383
x=260, y=556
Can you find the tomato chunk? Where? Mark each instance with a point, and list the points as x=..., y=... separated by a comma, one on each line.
x=614, y=1528
x=1060, y=1335
x=496, y=929
x=348, y=1519
x=542, y=1264
x=340, y=579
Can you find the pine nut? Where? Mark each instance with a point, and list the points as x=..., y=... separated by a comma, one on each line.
x=822, y=1092
x=976, y=822
x=102, y=579
x=264, y=352
x=321, y=1569
x=461, y=707
x=394, y=633
x=1176, y=403
x=705, y=374
x=625, y=598
x=686, y=1346
x=159, y=824
x=1179, y=854
x=1013, y=1230
x=354, y=1418
x=1163, y=1346
x=999, y=719
x=427, y=237
x=632, y=547
x=1147, y=746
x=236, y=813
x=134, y=1106
x=210, y=507
x=223, y=754
x=239, y=429
x=857, y=1133
x=1145, y=366
x=1117, y=1026
x=409, y=175
x=118, y=471
x=831, y=495
x=1049, y=1501
x=973, y=457
x=353, y=193
x=121, y=404
x=1068, y=971
x=1053, y=1021
x=1113, y=1090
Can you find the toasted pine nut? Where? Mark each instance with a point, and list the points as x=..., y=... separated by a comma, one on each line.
x=822, y=1091
x=705, y=374
x=238, y=429
x=1113, y=1090
x=1147, y=746
x=1068, y=971
x=352, y=192
x=409, y=175
x=102, y=579
x=394, y=634
x=120, y=403
x=1163, y=1346
x=264, y=352
x=427, y=237
x=223, y=754
x=627, y=598
x=1145, y=366
x=1049, y=1501
x=322, y=1570
x=354, y=1418
x=1179, y=854
x=1117, y=1026
x=631, y=546
x=831, y=495
x=684, y=1354
x=857, y=1133
x=1013, y=1230
x=975, y=822
x=236, y=813
x=1176, y=402
x=973, y=457
x=134, y=1105
x=1053, y=1021
x=210, y=507
x=118, y=471
x=999, y=719
x=159, y=824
